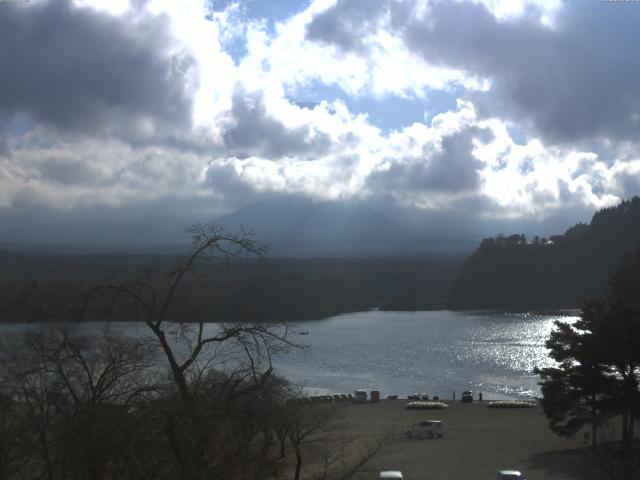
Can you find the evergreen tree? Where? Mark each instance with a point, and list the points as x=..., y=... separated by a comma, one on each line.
x=576, y=393
x=599, y=361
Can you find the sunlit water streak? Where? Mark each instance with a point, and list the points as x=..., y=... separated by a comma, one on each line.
x=435, y=352
x=404, y=352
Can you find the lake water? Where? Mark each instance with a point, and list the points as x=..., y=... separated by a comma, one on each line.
x=435, y=352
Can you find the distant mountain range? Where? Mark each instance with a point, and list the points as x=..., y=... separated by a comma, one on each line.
x=296, y=226
x=290, y=226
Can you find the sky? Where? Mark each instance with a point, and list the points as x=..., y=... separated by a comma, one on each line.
x=466, y=116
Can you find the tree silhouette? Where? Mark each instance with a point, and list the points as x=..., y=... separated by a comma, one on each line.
x=507, y=272
x=598, y=375
x=577, y=392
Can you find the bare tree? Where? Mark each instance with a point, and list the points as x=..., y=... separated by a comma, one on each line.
x=215, y=368
x=189, y=346
x=316, y=431
x=10, y=457
x=346, y=455
x=307, y=424
x=619, y=460
x=71, y=397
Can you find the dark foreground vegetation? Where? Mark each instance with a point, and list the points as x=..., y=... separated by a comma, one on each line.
x=597, y=381
x=82, y=407
x=181, y=400
x=563, y=271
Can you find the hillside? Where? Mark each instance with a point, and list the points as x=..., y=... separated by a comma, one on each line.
x=560, y=272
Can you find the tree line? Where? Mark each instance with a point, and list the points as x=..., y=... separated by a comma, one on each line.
x=43, y=287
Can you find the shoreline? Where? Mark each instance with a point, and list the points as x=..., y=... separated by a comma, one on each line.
x=487, y=396
x=555, y=312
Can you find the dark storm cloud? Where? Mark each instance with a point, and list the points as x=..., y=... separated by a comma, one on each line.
x=571, y=82
x=465, y=218
x=4, y=149
x=69, y=172
x=225, y=179
x=628, y=183
x=251, y=131
x=336, y=25
x=80, y=70
x=450, y=170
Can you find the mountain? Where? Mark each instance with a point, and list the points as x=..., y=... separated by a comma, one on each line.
x=563, y=271
x=296, y=226
x=292, y=226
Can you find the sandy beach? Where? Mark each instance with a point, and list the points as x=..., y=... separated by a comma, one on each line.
x=478, y=441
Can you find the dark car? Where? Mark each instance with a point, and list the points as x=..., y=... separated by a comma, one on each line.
x=467, y=396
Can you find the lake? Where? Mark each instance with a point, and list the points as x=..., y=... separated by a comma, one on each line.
x=436, y=352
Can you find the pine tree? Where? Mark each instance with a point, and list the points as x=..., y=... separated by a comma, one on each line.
x=599, y=361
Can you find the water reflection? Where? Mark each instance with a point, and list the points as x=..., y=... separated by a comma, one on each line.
x=435, y=352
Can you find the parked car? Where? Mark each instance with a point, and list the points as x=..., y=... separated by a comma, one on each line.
x=391, y=475
x=510, y=475
x=360, y=396
x=426, y=429
x=467, y=396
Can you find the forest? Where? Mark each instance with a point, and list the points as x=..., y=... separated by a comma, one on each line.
x=562, y=271
x=49, y=287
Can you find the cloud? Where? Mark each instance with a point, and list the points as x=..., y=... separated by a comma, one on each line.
x=449, y=167
x=336, y=25
x=625, y=177
x=250, y=130
x=459, y=157
x=558, y=78
x=294, y=56
x=569, y=76
x=81, y=70
x=226, y=180
x=66, y=172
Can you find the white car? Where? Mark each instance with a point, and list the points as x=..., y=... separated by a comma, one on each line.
x=391, y=475
x=510, y=475
x=426, y=429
